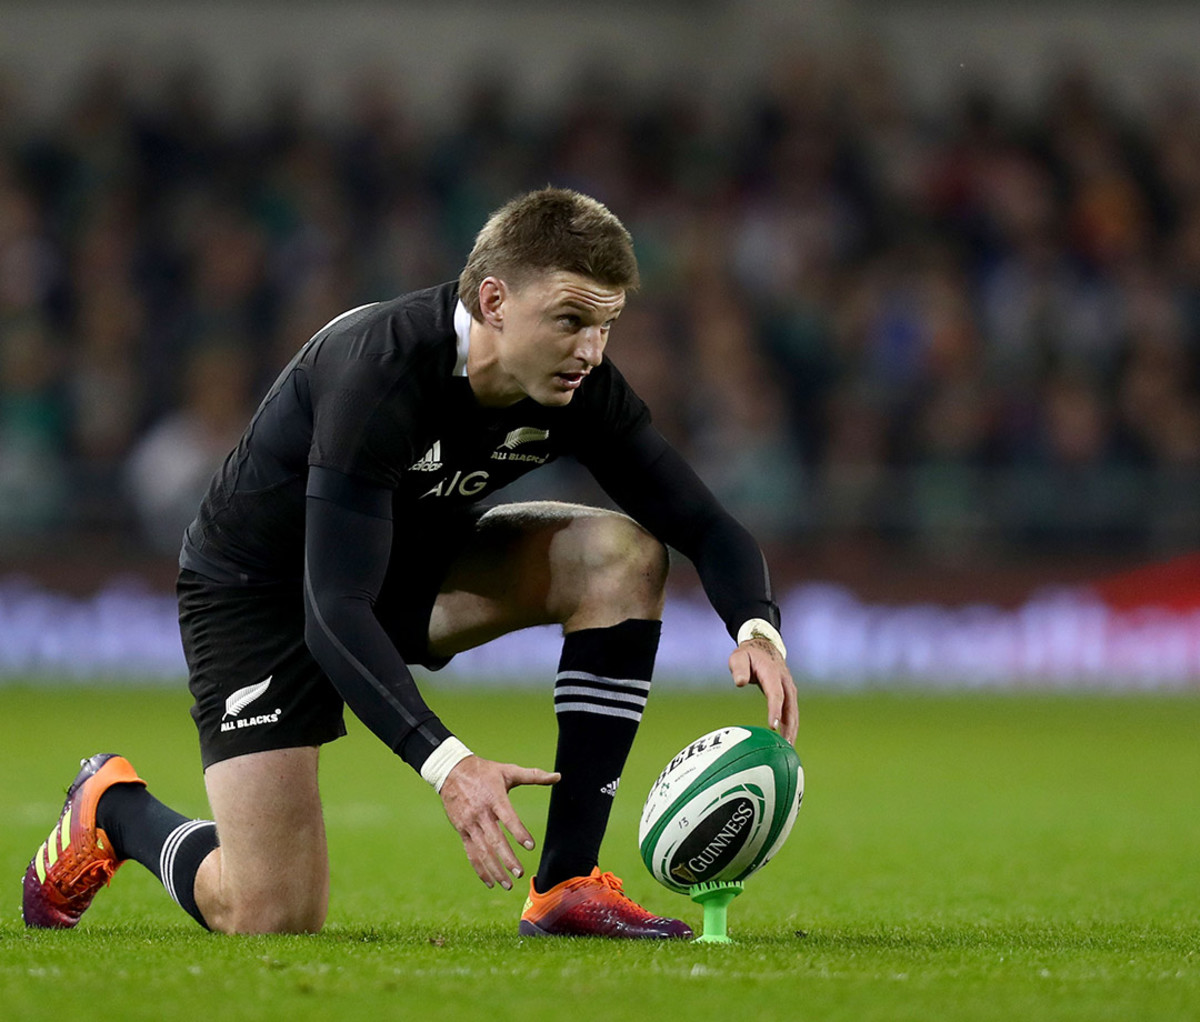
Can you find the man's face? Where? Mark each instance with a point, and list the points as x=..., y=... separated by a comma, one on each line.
x=552, y=333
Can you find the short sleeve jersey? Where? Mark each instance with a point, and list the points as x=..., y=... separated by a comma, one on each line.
x=380, y=394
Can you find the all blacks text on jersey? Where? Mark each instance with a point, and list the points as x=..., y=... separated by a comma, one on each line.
x=507, y=451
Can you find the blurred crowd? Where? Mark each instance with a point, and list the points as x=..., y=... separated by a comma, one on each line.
x=966, y=329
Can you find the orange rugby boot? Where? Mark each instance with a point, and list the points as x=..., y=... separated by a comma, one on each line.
x=77, y=859
x=593, y=906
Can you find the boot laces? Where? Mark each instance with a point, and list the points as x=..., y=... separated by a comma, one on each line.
x=91, y=874
x=614, y=883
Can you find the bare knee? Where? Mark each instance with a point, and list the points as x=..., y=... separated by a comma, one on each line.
x=265, y=915
x=270, y=873
x=615, y=570
x=264, y=905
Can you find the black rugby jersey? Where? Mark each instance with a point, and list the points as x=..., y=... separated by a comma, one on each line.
x=374, y=424
x=379, y=395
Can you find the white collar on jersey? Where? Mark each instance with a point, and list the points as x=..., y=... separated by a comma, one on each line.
x=462, y=327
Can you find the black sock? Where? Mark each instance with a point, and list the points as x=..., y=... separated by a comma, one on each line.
x=168, y=844
x=599, y=694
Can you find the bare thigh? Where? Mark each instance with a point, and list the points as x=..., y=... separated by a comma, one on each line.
x=271, y=871
x=546, y=562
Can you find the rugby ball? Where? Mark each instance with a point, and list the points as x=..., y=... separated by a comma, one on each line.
x=721, y=808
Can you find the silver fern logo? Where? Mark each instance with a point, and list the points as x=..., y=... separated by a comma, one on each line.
x=507, y=451
x=242, y=698
x=524, y=435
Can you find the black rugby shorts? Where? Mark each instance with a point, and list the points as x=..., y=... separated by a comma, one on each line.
x=255, y=684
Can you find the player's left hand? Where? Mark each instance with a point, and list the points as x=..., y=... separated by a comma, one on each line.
x=757, y=660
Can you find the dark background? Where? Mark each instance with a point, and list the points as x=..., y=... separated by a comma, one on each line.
x=929, y=325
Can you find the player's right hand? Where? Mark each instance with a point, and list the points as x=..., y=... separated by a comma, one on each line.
x=475, y=795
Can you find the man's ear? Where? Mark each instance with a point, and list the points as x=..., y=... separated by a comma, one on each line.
x=493, y=293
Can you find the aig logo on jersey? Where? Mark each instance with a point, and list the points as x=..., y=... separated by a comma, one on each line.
x=459, y=485
x=242, y=698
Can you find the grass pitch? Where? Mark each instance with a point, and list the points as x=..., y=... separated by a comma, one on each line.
x=957, y=857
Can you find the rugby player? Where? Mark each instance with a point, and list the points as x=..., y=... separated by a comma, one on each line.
x=348, y=536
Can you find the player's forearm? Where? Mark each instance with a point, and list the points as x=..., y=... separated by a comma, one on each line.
x=734, y=574
x=654, y=484
x=352, y=648
x=348, y=539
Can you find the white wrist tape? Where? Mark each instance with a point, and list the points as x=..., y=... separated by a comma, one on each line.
x=757, y=628
x=442, y=760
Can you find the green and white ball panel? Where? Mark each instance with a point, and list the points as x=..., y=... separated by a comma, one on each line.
x=721, y=808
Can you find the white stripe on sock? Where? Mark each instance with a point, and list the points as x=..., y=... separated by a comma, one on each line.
x=641, y=686
x=599, y=693
x=166, y=857
x=170, y=848
x=603, y=711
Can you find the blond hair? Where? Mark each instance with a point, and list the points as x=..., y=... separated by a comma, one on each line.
x=550, y=229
